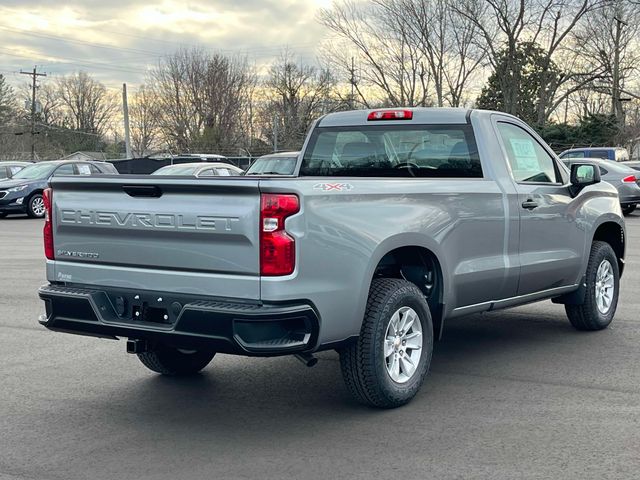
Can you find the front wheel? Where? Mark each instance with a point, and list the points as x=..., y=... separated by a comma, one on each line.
x=387, y=365
x=176, y=362
x=35, y=207
x=628, y=209
x=602, y=286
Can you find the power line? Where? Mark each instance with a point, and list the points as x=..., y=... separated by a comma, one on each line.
x=79, y=62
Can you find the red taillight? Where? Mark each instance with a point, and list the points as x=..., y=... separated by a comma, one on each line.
x=390, y=115
x=47, y=231
x=629, y=179
x=277, y=248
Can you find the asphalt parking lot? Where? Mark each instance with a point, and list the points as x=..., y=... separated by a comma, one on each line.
x=512, y=394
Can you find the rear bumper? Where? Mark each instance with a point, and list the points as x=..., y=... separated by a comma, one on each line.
x=182, y=321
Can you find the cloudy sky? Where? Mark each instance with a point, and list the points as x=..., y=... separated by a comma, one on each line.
x=117, y=40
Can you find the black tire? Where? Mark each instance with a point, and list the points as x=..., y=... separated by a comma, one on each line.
x=3, y=214
x=587, y=316
x=32, y=206
x=171, y=361
x=363, y=363
x=628, y=209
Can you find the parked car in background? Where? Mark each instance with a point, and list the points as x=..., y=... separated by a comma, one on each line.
x=23, y=192
x=274, y=164
x=9, y=169
x=616, y=154
x=200, y=169
x=624, y=178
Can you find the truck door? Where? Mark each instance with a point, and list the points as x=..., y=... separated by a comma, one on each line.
x=551, y=242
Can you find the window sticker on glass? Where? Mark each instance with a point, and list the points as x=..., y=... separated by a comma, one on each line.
x=525, y=153
x=83, y=169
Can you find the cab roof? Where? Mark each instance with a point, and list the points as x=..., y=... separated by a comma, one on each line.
x=421, y=115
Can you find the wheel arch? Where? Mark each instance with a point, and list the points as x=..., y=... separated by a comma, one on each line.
x=416, y=259
x=613, y=233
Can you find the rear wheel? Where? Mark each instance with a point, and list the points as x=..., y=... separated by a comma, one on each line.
x=387, y=365
x=35, y=207
x=173, y=361
x=628, y=209
x=601, y=296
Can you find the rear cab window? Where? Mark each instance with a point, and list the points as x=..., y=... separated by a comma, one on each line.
x=429, y=151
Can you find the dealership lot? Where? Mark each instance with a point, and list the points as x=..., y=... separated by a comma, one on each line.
x=512, y=394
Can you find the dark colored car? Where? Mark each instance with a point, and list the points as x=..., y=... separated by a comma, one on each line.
x=615, y=154
x=274, y=164
x=9, y=169
x=23, y=192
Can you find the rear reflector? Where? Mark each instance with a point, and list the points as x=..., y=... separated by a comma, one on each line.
x=629, y=179
x=277, y=247
x=390, y=115
x=47, y=231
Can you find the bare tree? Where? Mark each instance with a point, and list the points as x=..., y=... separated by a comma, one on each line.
x=445, y=39
x=144, y=122
x=389, y=64
x=7, y=102
x=505, y=24
x=608, y=39
x=202, y=98
x=86, y=103
x=296, y=94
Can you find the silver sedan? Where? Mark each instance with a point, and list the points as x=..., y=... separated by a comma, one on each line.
x=624, y=178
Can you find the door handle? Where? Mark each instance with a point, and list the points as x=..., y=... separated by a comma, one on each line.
x=150, y=191
x=529, y=204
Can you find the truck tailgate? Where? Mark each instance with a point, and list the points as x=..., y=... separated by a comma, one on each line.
x=158, y=223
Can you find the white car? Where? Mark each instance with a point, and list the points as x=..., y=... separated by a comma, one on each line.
x=200, y=169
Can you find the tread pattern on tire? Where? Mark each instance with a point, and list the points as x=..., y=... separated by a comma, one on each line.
x=172, y=362
x=357, y=364
x=586, y=315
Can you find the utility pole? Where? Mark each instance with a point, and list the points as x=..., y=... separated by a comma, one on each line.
x=34, y=75
x=125, y=111
x=353, y=84
x=276, y=120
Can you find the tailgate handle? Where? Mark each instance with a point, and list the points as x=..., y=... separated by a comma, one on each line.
x=149, y=191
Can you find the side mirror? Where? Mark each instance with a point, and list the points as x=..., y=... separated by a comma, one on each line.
x=584, y=174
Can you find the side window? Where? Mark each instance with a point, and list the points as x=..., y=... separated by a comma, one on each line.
x=604, y=154
x=83, y=169
x=207, y=173
x=574, y=155
x=14, y=170
x=224, y=172
x=3, y=172
x=94, y=169
x=66, y=169
x=603, y=171
x=528, y=160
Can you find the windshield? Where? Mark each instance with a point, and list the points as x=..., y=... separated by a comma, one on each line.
x=176, y=170
x=35, y=172
x=393, y=151
x=273, y=166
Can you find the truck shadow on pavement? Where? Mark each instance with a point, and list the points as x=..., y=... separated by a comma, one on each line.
x=281, y=394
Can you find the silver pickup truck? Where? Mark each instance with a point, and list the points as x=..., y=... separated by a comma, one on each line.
x=394, y=221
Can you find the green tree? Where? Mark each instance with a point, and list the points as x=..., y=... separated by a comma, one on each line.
x=520, y=82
